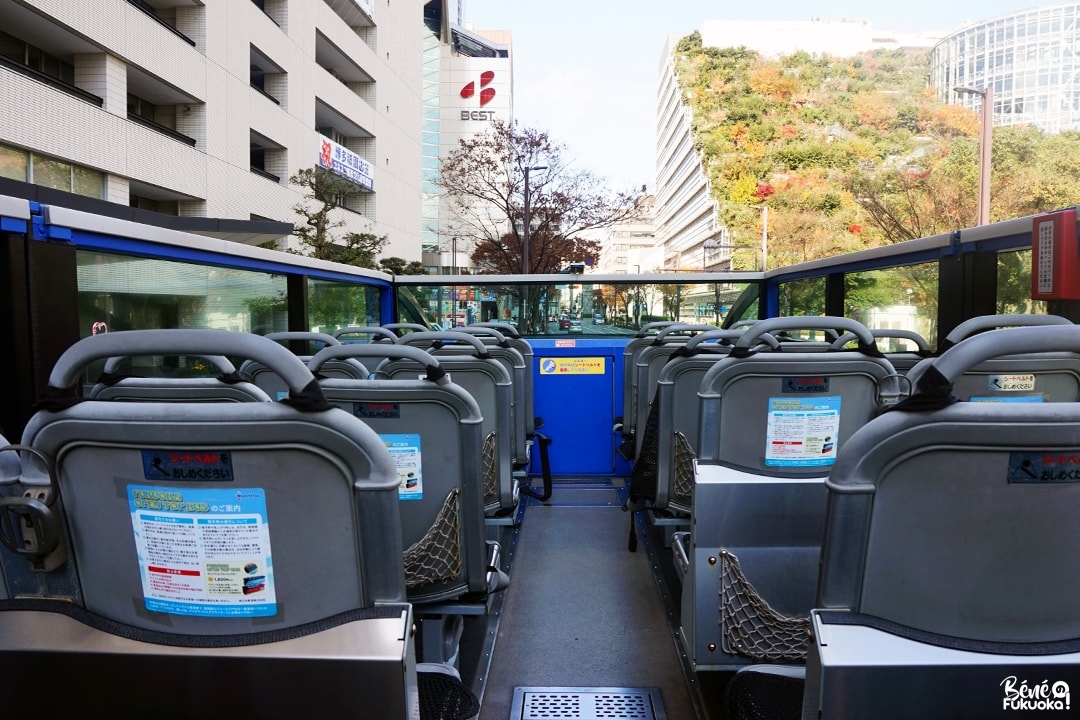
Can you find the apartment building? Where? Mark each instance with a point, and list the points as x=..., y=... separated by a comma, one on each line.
x=198, y=109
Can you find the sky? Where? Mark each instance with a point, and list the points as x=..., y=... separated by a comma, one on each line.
x=586, y=71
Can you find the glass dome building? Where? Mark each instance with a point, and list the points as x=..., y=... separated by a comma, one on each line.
x=1029, y=57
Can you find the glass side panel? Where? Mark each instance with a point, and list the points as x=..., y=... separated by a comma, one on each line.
x=577, y=306
x=335, y=305
x=897, y=298
x=1014, y=285
x=121, y=292
x=802, y=297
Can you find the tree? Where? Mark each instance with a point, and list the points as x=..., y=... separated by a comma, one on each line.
x=484, y=182
x=399, y=266
x=328, y=191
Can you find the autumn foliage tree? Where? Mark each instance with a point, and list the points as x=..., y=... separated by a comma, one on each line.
x=483, y=179
x=859, y=152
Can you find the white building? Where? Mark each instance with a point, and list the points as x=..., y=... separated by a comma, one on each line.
x=204, y=108
x=468, y=84
x=837, y=38
x=627, y=246
x=1031, y=58
x=686, y=213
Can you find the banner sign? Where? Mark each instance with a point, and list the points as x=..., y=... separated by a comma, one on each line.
x=346, y=163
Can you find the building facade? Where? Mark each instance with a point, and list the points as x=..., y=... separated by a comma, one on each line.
x=685, y=211
x=1031, y=59
x=629, y=246
x=687, y=225
x=468, y=84
x=206, y=108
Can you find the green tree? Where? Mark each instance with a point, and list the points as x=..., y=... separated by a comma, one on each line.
x=400, y=266
x=324, y=193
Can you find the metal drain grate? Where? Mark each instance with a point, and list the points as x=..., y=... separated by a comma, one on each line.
x=587, y=703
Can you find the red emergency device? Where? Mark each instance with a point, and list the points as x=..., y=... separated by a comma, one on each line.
x=1055, y=257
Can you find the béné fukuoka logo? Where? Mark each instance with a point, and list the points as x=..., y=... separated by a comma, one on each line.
x=1038, y=696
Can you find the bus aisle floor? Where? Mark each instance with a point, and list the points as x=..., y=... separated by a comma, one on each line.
x=581, y=611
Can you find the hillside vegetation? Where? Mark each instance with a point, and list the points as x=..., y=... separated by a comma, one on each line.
x=855, y=152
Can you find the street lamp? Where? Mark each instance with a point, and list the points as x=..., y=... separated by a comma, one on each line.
x=985, y=142
x=764, y=233
x=705, y=247
x=525, y=269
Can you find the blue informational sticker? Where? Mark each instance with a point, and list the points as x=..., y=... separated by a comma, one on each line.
x=187, y=465
x=802, y=431
x=1030, y=468
x=405, y=451
x=203, y=552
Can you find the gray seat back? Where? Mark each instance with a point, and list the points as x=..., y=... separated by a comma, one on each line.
x=756, y=391
x=525, y=348
x=273, y=385
x=228, y=386
x=677, y=415
x=375, y=333
x=943, y=548
x=916, y=349
x=500, y=348
x=1024, y=377
x=433, y=429
x=648, y=362
x=491, y=385
x=641, y=340
x=771, y=424
x=138, y=489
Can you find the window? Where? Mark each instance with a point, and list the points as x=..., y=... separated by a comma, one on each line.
x=50, y=172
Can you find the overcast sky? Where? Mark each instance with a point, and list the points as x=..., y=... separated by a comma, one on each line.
x=586, y=71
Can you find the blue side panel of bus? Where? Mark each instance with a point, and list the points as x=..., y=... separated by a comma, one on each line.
x=575, y=384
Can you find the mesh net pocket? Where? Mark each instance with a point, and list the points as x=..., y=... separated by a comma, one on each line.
x=490, y=464
x=436, y=557
x=643, y=477
x=683, y=472
x=750, y=626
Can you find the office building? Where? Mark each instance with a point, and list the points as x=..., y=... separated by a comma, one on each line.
x=1031, y=59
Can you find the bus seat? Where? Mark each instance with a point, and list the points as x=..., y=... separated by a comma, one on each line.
x=642, y=339
x=945, y=563
x=1024, y=377
x=228, y=386
x=290, y=509
x=671, y=434
x=491, y=385
x=916, y=349
x=274, y=386
x=648, y=363
x=771, y=423
x=433, y=429
x=505, y=351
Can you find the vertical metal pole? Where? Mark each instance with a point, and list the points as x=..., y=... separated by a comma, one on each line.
x=764, y=236
x=985, y=144
x=525, y=230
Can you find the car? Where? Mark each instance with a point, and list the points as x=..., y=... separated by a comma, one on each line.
x=564, y=322
x=598, y=319
x=575, y=326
